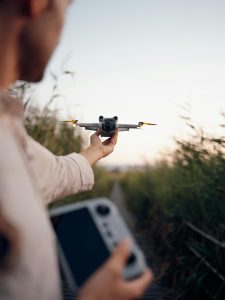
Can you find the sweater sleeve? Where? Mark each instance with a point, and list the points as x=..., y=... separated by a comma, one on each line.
x=59, y=176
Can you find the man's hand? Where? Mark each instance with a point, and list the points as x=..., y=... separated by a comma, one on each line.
x=108, y=283
x=99, y=149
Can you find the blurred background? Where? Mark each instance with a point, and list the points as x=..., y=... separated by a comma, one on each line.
x=156, y=61
x=142, y=60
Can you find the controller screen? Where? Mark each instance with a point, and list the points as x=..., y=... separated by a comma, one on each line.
x=81, y=243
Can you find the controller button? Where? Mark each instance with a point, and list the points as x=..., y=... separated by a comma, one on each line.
x=109, y=234
x=131, y=259
x=103, y=210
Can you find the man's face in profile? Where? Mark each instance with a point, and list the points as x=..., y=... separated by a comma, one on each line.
x=39, y=38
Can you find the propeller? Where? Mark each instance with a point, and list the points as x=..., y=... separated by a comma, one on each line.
x=71, y=121
x=145, y=123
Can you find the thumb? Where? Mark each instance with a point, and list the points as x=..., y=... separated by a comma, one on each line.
x=98, y=132
x=121, y=254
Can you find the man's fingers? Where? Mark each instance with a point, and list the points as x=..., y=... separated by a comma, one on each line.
x=115, y=137
x=98, y=132
x=95, y=136
x=120, y=255
x=137, y=287
x=112, y=140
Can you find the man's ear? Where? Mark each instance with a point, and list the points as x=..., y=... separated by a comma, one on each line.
x=33, y=8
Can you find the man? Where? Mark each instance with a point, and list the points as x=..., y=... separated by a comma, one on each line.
x=31, y=176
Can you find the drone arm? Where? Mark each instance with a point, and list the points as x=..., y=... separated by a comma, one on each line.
x=89, y=126
x=124, y=129
x=129, y=126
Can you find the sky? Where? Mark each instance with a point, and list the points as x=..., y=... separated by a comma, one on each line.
x=142, y=60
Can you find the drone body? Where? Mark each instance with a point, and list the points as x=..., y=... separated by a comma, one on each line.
x=108, y=126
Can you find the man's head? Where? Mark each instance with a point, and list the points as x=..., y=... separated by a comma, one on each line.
x=35, y=27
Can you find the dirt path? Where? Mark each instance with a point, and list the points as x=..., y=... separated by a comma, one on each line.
x=157, y=291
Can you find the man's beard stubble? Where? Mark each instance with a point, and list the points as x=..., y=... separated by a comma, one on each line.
x=32, y=59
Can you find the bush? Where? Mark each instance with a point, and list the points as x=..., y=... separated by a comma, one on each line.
x=190, y=188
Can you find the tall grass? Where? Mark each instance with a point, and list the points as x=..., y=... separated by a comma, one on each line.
x=190, y=187
x=60, y=138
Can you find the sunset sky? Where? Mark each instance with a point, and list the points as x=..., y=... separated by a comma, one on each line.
x=142, y=60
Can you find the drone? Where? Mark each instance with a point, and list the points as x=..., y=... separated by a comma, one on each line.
x=108, y=126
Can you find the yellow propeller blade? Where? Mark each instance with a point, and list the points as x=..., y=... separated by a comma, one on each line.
x=71, y=121
x=146, y=123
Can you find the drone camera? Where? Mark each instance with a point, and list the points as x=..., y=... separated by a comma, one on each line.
x=115, y=118
x=108, y=125
x=101, y=118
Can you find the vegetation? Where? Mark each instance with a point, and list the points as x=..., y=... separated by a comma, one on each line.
x=60, y=138
x=180, y=201
x=183, y=204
